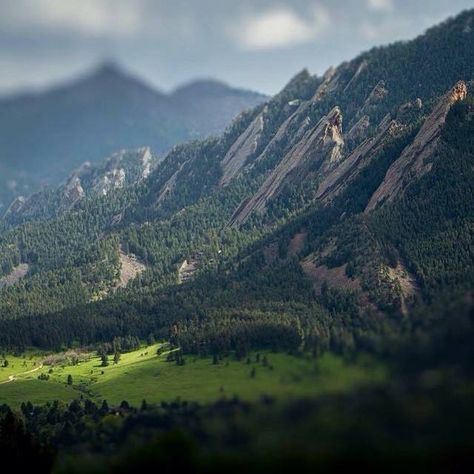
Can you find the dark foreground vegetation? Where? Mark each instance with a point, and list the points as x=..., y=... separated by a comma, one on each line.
x=421, y=420
x=420, y=427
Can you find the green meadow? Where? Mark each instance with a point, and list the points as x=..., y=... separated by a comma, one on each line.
x=143, y=375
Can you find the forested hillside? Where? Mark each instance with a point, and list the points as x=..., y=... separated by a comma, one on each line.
x=323, y=219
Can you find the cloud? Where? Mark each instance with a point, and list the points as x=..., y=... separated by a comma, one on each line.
x=87, y=17
x=393, y=27
x=279, y=28
x=381, y=5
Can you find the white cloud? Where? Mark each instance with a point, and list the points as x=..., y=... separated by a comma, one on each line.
x=279, y=28
x=90, y=17
x=381, y=5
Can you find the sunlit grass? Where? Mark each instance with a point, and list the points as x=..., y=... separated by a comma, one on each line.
x=142, y=374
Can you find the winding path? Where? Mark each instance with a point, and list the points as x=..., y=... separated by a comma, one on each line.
x=11, y=378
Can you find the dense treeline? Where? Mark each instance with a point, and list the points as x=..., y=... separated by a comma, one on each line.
x=421, y=420
x=370, y=429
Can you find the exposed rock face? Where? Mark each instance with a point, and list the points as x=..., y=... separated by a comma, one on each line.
x=468, y=26
x=379, y=92
x=298, y=121
x=377, y=95
x=130, y=268
x=188, y=268
x=146, y=159
x=168, y=187
x=126, y=167
x=320, y=148
x=123, y=168
x=114, y=179
x=334, y=277
x=73, y=191
x=289, y=133
x=15, y=275
x=412, y=162
x=359, y=130
x=243, y=148
x=329, y=84
x=404, y=282
x=16, y=206
x=362, y=67
x=348, y=169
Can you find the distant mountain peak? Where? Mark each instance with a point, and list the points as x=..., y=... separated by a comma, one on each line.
x=110, y=71
x=109, y=67
x=207, y=87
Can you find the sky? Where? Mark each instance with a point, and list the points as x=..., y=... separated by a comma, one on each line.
x=254, y=44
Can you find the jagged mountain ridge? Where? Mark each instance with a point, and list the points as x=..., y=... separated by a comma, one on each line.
x=309, y=162
x=123, y=168
x=44, y=136
x=412, y=163
x=360, y=93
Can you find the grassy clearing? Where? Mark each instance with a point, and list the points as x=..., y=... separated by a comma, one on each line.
x=18, y=364
x=144, y=375
x=35, y=390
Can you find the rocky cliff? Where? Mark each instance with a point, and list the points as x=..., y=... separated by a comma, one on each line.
x=124, y=168
x=243, y=148
x=339, y=178
x=414, y=161
x=319, y=148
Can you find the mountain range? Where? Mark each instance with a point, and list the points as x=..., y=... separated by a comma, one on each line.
x=336, y=214
x=43, y=136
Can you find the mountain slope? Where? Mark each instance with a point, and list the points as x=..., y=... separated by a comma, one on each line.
x=46, y=135
x=269, y=220
x=123, y=169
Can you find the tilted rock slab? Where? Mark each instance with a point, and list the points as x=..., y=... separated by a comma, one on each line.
x=320, y=146
x=242, y=149
x=338, y=179
x=411, y=163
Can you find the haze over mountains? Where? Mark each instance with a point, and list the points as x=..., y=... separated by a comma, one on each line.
x=44, y=136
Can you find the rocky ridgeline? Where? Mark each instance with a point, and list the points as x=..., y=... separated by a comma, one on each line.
x=124, y=168
x=319, y=149
x=320, y=146
x=244, y=147
x=413, y=162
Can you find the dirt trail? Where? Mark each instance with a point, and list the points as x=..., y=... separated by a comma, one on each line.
x=12, y=378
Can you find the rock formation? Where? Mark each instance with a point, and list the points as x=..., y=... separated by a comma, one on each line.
x=72, y=191
x=16, y=206
x=359, y=129
x=243, y=148
x=361, y=68
x=123, y=168
x=320, y=148
x=170, y=184
x=412, y=162
x=345, y=172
